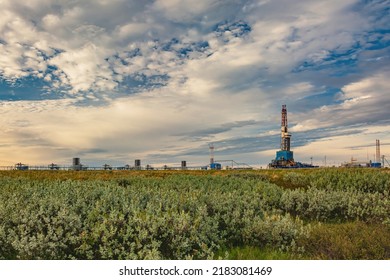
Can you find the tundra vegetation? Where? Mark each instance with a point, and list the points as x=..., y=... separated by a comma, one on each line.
x=329, y=213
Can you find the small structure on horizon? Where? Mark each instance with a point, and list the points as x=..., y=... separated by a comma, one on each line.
x=137, y=164
x=377, y=161
x=53, y=166
x=21, y=166
x=107, y=167
x=213, y=165
x=76, y=164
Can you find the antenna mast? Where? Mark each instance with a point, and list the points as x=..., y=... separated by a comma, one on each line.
x=211, y=149
x=285, y=136
x=378, y=151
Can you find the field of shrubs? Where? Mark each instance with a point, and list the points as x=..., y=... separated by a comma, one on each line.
x=271, y=214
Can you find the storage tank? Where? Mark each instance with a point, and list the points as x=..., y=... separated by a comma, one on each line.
x=76, y=161
x=137, y=164
x=76, y=164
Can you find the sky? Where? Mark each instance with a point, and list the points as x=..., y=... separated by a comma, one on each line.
x=111, y=81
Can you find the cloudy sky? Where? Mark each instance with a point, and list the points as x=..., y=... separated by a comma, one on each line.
x=111, y=81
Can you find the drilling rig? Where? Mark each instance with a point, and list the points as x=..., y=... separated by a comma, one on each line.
x=285, y=157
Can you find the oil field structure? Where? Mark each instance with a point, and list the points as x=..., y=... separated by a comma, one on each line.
x=379, y=160
x=285, y=157
x=78, y=166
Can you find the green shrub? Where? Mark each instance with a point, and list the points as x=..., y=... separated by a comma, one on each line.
x=349, y=241
x=178, y=217
x=187, y=215
x=336, y=205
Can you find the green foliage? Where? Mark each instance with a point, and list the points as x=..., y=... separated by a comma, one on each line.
x=178, y=217
x=334, y=195
x=365, y=180
x=294, y=180
x=190, y=215
x=336, y=205
x=349, y=241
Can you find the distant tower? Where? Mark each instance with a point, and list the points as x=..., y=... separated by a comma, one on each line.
x=285, y=136
x=211, y=149
x=378, y=151
x=284, y=157
x=137, y=164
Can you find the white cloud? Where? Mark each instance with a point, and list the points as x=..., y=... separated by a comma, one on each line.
x=196, y=66
x=130, y=30
x=362, y=102
x=185, y=10
x=51, y=22
x=84, y=69
x=277, y=42
x=300, y=89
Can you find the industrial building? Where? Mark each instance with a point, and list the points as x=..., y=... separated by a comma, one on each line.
x=285, y=157
x=213, y=165
x=378, y=162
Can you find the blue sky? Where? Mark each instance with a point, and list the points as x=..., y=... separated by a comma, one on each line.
x=111, y=81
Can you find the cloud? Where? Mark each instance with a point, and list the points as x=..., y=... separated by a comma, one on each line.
x=212, y=131
x=84, y=70
x=242, y=36
x=362, y=102
x=163, y=78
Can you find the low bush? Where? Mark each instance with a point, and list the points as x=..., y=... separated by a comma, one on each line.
x=348, y=241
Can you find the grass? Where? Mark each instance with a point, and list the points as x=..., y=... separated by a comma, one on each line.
x=348, y=241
